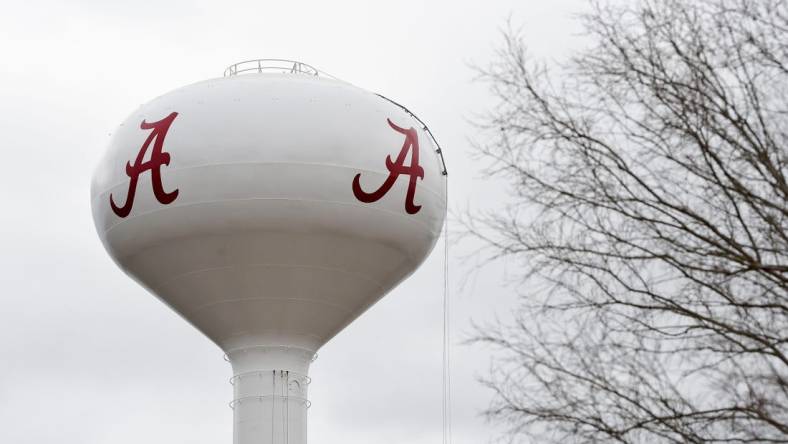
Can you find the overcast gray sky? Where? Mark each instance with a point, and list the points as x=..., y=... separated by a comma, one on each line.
x=86, y=355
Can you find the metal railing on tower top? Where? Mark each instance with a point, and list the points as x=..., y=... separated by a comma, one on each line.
x=271, y=66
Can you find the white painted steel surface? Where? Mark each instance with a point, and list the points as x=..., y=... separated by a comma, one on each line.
x=265, y=247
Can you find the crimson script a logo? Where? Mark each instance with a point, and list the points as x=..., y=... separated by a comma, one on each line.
x=158, y=158
x=396, y=168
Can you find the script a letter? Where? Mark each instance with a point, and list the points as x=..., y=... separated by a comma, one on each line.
x=396, y=168
x=157, y=158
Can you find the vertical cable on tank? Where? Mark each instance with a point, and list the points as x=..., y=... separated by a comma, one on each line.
x=273, y=402
x=446, y=330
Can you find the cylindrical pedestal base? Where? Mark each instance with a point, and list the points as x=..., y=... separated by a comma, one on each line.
x=270, y=395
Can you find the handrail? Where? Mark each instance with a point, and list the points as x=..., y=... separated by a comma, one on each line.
x=271, y=65
x=260, y=398
x=265, y=372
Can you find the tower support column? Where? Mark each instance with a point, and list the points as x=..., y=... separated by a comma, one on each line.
x=270, y=394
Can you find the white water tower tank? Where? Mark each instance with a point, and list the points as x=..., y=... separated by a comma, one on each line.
x=269, y=208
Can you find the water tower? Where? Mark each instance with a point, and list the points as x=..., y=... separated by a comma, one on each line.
x=270, y=208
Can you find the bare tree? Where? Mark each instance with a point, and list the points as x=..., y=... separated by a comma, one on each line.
x=649, y=219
